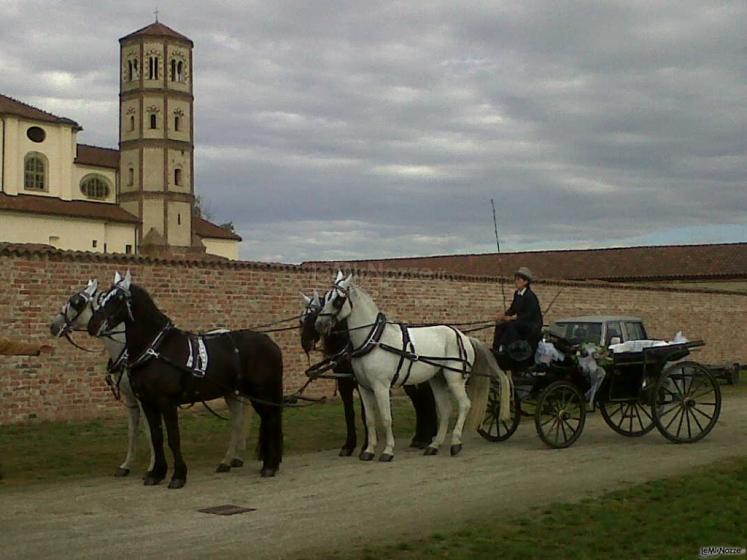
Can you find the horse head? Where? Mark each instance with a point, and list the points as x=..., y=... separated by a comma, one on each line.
x=77, y=311
x=114, y=306
x=309, y=335
x=336, y=306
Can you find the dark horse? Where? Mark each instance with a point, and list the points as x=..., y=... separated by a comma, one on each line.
x=426, y=420
x=238, y=362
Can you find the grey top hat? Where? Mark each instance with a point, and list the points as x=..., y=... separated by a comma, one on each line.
x=524, y=272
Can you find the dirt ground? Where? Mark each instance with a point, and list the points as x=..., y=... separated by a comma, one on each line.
x=321, y=503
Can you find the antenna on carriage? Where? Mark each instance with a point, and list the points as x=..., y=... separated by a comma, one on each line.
x=498, y=246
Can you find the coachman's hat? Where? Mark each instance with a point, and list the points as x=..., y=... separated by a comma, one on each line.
x=525, y=273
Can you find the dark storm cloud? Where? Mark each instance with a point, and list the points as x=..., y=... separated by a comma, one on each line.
x=353, y=129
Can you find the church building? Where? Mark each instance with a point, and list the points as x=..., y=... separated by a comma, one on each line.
x=138, y=199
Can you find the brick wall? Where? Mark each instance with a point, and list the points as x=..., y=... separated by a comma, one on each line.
x=200, y=295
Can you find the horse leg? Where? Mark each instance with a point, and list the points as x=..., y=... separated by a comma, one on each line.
x=426, y=422
x=246, y=414
x=384, y=407
x=443, y=408
x=158, y=471
x=455, y=382
x=346, y=388
x=171, y=418
x=270, y=444
x=369, y=405
x=236, y=411
x=133, y=425
x=363, y=420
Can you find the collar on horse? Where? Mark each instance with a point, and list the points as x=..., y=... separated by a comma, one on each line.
x=152, y=350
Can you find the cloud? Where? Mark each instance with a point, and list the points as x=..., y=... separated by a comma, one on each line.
x=355, y=129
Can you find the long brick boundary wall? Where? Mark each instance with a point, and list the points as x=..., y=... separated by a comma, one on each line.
x=199, y=295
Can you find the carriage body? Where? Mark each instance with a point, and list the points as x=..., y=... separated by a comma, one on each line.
x=639, y=390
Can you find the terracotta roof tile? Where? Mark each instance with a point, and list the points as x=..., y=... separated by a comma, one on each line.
x=11, y=106
x=615, y=264
x=37, y=204
x=97, y=156
x=156, y=30
x=203, y=228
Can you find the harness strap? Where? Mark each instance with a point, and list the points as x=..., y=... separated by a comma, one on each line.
x=152, y=350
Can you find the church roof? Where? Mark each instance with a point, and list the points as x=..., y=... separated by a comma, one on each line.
x=97, y=156
x=156, y=29
x=11, y=106
x=203, y=228
x=36, y=204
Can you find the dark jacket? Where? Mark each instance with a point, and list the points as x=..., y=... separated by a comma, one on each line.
x=527, y=309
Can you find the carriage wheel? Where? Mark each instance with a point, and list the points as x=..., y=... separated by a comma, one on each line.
x=687, y=402
x=560, y=414
x=629, y=418
x=492, y=428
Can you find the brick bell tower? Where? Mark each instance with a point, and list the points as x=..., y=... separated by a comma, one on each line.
x=156, y=134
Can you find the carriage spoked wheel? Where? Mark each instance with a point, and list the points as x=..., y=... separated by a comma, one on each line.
x=560, y=415
x=492, y=427
x=687, y=402
x=628, y=418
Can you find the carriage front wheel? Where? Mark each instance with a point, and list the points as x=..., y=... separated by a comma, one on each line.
x=687, y=402
x=492, y=427
x=560, y=414
x=628, y=418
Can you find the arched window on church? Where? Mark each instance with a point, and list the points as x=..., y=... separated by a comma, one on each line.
x=173, y=70
x=178, y=176
x=130, y=176
x=152, y=67
x=132, y=123
x=180, y=71
x=153, y=121
x=95, y=187
x=130, y=73
x=35, y=172
x=177, y=123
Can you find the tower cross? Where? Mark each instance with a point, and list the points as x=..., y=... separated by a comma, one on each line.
x=156, y=14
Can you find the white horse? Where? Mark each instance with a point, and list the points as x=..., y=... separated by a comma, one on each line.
x=387, y=355
x=74, y=316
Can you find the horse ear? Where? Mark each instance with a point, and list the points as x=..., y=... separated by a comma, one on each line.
x=317, y=299
x=127, y=281
x=91, y=287
x=339, y=277
x=306, y=299
x=346, y=283
x=117, y=277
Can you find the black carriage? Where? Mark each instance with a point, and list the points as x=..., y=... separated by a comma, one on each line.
x=655, y=387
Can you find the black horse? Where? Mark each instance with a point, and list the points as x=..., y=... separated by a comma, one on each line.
x=163, y=373
x=426, y=419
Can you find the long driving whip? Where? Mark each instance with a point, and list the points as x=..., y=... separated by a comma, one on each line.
x=498, y=246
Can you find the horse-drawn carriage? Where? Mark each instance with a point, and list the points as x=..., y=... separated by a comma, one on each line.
x=635, y=391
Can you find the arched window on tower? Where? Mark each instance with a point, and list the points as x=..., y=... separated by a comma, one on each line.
x=35, y=172
x=153, y=121
x=180, y=71
x=177, y=176
x=152, y=67
x=130, y=176
x=177, y=123
x=130, y=73
x=132, y=123
x=173, y=70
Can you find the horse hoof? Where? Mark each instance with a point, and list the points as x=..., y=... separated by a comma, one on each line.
x=121, y=472
x=415, y=444
x=430, y=451
x=346, y=451
x=177, y=483
x=223, y=468
x=366, y=456
x=267, y=472
x=152, y=480
x=236, y=463
x=386, y=458
x=455, y=449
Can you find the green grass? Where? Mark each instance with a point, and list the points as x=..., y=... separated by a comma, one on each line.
x=664, y=519
x=50, y=451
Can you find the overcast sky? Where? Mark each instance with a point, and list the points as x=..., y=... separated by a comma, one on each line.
x=355, y=129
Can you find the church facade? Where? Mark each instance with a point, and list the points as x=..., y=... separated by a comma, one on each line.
x=138, y=199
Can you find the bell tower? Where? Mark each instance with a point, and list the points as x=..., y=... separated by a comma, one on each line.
x=156, y=130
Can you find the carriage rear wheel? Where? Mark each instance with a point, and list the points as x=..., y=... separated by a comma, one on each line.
x=492, y=427
x=628, y=418
x=687, y=402
x=560, y=415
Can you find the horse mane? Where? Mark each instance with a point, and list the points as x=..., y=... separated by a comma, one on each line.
x=144, y=304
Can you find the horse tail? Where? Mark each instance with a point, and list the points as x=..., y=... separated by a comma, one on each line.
x=483, y=371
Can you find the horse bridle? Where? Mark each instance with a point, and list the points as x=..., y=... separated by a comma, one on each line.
x=343, y=296
x=102, y=301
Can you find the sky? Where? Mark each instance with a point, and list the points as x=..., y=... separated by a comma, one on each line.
x=354, y=129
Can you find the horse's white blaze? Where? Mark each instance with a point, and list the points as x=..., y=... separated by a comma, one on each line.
x=375, y=371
